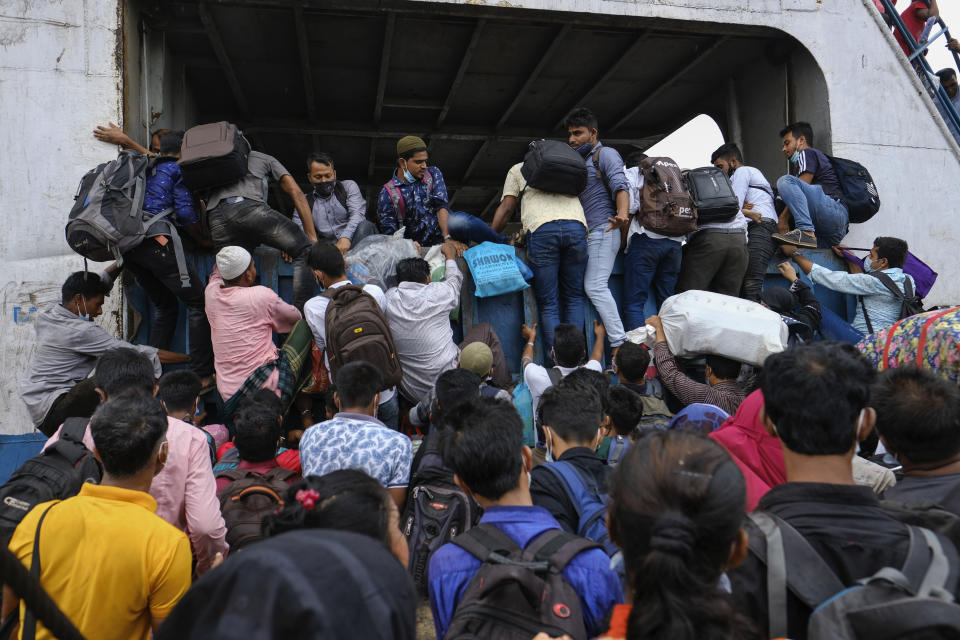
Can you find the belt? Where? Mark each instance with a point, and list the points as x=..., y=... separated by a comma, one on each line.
x=712, y=230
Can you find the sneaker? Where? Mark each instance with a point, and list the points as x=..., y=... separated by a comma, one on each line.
x=797, y=238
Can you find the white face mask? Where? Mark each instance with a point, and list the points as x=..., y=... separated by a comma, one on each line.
x=84, y=315
x=548, y=436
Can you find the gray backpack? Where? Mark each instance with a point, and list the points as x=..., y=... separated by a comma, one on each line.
x=892, y=603
x=107, y=218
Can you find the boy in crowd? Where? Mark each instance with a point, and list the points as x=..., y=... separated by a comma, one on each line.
x=626, y=414
x=134, y=567
x=756, y=203
x=630, y=365
x=257, y=440
x=812, y=195
x=918, y=417
x=606, y=206
x=355, y=439
x=571, y=414
x=485, y=450
x=817, y=401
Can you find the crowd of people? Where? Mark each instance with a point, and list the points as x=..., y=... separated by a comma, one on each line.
x=367, y=466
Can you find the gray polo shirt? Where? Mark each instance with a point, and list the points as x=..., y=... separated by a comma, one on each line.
x=261, y=168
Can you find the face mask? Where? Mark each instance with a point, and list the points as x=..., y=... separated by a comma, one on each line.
x=549, y=456
x=84, y=315
x=795, y=158
x=406, y=174
x=324, y=189
x=868, y=265
x=584, y=149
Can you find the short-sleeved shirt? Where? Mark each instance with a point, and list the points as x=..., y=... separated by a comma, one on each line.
x=751, y=186
x=420, y=206
x=356, y=441
x=165, y=190
x=120, y=565
x=539, y=207
x=816, y=162
x=537, y=379
x=912, y=22
x=261, y=168
x=599, y=198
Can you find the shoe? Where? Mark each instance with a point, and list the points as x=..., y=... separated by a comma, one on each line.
x=797, y=238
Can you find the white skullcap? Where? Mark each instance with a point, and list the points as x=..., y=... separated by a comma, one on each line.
x=233, y=261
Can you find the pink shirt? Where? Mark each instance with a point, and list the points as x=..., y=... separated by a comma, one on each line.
x=185, y=490
x=242, y=322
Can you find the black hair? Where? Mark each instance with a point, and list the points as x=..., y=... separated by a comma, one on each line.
x=634, y=158
x=329, y=404
x=124, y=371
x=594, y=379
x=918, y=414
x=325, y=257
x=413, y=270
x=626, y=410
x=813, y=393
x=946, y=74
x=265, y=398
x=728, y=151
x=798, y=129
x=581, y=117
x=454, y=387
x=572, y=410
x=179, y=390
x=87, y=284
x=676, y=504
x=723, y=368
x=170, y=142
x=347, y=500
x=632, y=361
x=158, y=132
x=358, y=382
x=127, y=431
x=484, y=444
x=257, y=430
x=569, y=345
x=893, y=249
x=320, y=157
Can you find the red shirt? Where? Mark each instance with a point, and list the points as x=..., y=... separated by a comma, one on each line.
x=256, y=467
x=913, y=23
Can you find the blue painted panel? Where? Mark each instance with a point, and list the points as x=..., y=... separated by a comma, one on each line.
x=15, y=450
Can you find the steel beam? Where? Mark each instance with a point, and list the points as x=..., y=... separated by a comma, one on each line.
x=217, y=43
x=303, y=45
x=384, y=65
x=461, y=71
x=534, y=73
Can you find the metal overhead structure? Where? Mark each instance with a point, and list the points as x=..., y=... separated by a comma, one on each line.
x=478, y=83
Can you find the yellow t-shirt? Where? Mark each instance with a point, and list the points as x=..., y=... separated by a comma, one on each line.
x=107, y=560
x=539, y=207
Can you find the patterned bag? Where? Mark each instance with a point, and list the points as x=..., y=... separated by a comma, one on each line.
x=929, y=340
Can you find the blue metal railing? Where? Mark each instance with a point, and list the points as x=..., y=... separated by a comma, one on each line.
x=945, y=104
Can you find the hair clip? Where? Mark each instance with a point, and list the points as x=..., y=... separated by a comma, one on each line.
x=308, y=498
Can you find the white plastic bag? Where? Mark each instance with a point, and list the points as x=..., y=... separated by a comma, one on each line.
x=703, y=322
x=646, y=335
x=374, y=260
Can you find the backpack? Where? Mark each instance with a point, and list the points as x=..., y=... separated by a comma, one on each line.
x=917, y=594
x=712, y=194
x=357, y=330
x=910, y=303
x=248, y=498
x=667, y=206
x=589, y=501
x=517, y=593
x=859, y=191
x=107, y=218
x=437, y=510
x=56, y=473
x=399, y=206
x=618, y=447
x=553, y=166
x=213, y=155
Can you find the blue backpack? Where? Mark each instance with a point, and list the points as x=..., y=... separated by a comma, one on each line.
x=859, y=191
x=618, y=447
x=589, y=501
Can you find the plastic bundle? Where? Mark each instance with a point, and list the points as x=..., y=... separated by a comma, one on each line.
x=374, y=260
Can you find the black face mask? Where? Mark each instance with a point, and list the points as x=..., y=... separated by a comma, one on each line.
x=324, y=189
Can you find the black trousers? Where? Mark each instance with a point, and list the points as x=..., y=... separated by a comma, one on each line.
x=714, y=261
x=761, y=246
x=80, y=402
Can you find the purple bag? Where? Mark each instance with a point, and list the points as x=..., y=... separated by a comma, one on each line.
x=923, y=276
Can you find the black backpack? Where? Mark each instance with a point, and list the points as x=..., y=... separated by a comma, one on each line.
x=910, y=303
x=56, y=473
x=553, y=166
x=890, y=604
x=437, y=510
x=860, y=194
x=712, y=194
x=248, y=498
x=518, y=593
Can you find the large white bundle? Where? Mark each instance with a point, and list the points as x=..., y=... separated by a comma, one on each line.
x=704, y=322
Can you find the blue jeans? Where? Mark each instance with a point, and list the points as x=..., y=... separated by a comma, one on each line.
x=651, y=265
x=602, y=250
x=389, y=412
x=813, y=210
x=469, y=228
x=833, y=327
x=557, y=252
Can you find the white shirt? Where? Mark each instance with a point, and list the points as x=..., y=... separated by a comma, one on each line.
x=419, y=316
x=635, y=180
x=315, y=312
x=538, y=380
x=750, y=186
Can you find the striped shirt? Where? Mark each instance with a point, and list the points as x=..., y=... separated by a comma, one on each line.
x=726, y=395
